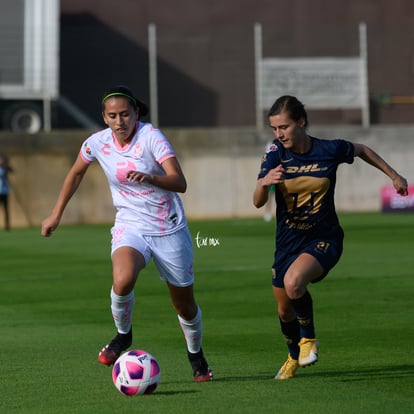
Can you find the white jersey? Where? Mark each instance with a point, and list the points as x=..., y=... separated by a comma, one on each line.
x=153, y=210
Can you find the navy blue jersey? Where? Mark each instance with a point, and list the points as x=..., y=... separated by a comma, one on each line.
x=305, y=208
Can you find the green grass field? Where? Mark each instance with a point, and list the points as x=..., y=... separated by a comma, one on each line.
x=55, y=317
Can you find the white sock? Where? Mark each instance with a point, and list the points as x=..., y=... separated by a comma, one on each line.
x=193, y=332
x=122, y=307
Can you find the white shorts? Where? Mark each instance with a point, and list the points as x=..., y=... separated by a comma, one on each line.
x=173, y=253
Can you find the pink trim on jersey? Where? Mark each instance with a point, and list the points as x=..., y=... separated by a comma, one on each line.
x=127, y=146
x=84, y=159
x=118, y=145
x=166, y=157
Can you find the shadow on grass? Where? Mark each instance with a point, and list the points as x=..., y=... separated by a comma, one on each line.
x=249, y=378
x=168, y=393
x=344, y=375
x=363, y=374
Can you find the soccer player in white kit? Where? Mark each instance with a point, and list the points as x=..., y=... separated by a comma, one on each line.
x=144, y=176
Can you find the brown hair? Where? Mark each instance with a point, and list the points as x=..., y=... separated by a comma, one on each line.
x=292, y=106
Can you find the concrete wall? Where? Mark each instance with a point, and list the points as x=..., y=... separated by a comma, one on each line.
x=220, y=165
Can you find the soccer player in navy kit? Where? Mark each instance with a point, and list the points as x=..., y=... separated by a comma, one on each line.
x=309, y=238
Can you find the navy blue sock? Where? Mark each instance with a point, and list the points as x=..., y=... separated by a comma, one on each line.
x=291, y=333
x=303, y=308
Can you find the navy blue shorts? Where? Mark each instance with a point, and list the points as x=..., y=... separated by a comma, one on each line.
x=327, y=252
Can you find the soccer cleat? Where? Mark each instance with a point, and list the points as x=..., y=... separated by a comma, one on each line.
x=288, y=369
x=308, y=354
x=112, y=351
x=199, y=376
x=201, y=371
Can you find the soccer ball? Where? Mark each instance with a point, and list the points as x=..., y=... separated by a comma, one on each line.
x=136, y=372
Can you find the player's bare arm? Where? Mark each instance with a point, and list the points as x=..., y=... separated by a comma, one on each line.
x=69, y=187
x=371, y=157
x=173, y=180
x=261, y=193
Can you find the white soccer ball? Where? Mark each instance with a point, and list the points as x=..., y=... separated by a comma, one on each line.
x=136, y=372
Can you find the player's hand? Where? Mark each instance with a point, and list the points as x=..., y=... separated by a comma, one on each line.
x=49, y=225
x=138, y=177
x=401, y=185
x=275, y=176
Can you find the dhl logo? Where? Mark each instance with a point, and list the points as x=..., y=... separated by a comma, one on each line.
x=305, y=169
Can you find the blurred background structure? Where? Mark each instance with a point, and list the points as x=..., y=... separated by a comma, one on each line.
x=206, y=72
x=195, y=62
x=205, y=54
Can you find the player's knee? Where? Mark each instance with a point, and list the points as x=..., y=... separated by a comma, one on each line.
x=294, y=289
x=123, y=285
